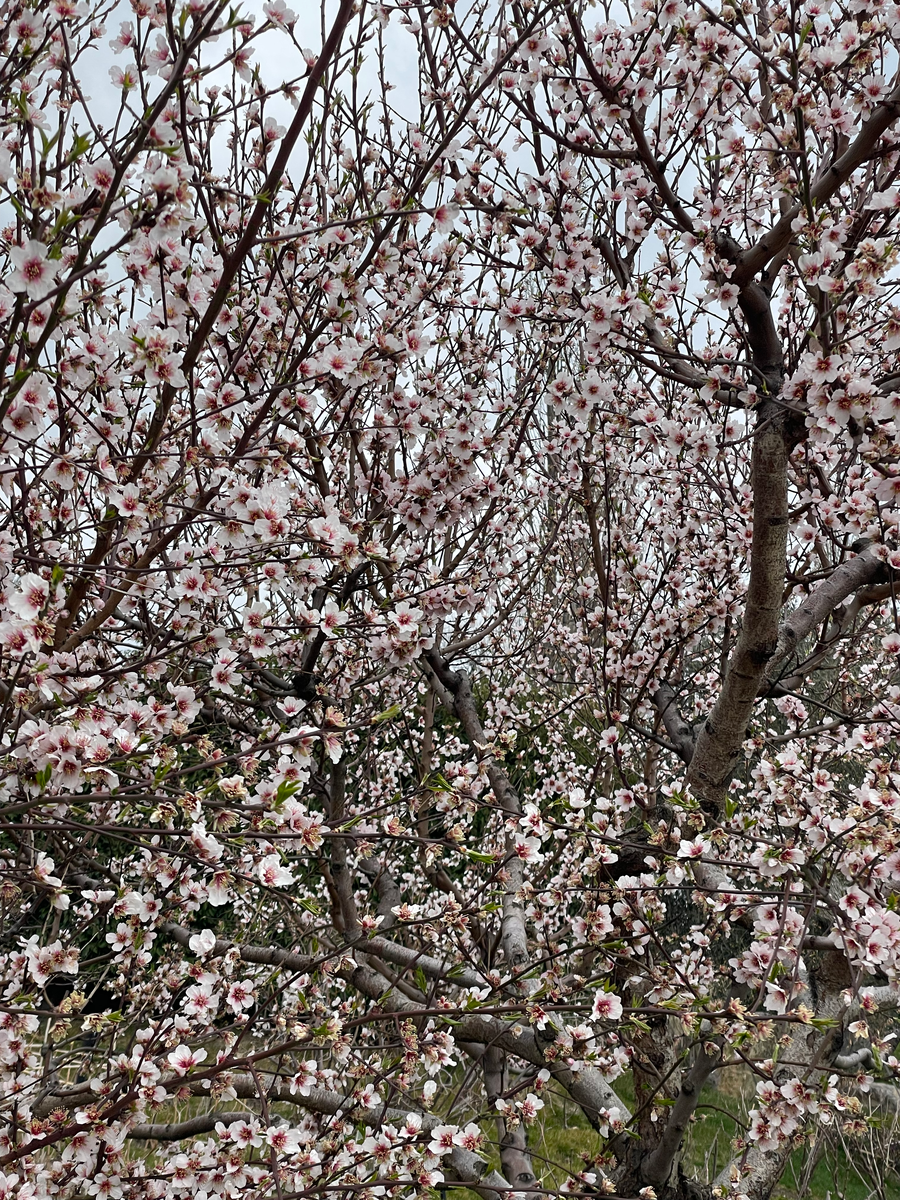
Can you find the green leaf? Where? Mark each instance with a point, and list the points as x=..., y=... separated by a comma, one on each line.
x=478, y=856
x=437, y=783
x=388, y=714
x=824, y=1023
x=286, y=789
x=47, y=144
x=81, y=143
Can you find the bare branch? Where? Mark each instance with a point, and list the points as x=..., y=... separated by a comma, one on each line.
x=832, y=177
x=850, y=576
x=514, y=936
x=680, y=733
x=176, y=1131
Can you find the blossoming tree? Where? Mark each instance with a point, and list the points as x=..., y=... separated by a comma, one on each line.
x=448, y=631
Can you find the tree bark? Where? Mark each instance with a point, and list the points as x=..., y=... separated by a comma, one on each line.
x=722, y=734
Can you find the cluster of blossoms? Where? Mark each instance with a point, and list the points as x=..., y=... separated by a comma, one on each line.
x=447, y=579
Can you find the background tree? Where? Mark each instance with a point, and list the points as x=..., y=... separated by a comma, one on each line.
x=448, y=618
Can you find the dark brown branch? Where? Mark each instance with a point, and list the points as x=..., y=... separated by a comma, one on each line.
x=644, y=150
x=248, y=238
x=762, y=336
x=722, y=734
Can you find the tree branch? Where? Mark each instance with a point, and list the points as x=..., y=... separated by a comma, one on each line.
x=175, y=1131
x=680, y=733
x=468, y=1167
x=514, y=937
x=274, y=956
x=723, y=733
x=586, y=1086
x=831, y=178
x=657, y=1168
x=389, y=896
x=850, y=576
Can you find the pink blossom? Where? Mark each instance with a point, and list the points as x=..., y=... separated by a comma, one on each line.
x=35, y=273
x=528, y=849
x=240, y=996
x=183, y=1059
x=202, y=943
x=606, y=1007
x=30, y=596
x=445, y=216
x=272, y=873
x=442, y=1140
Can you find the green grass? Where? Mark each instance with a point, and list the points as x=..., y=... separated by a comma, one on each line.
x=848, y=1169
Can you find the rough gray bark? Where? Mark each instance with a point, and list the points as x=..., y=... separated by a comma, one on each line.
x=387, y=888
x=271, y=956
x=515, y=1161
x=176, y=1131
x=380, y=947
x=587, y=1087
x=657, y=1167
x=850, y=578
x=680, y=732
x=823, y=600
